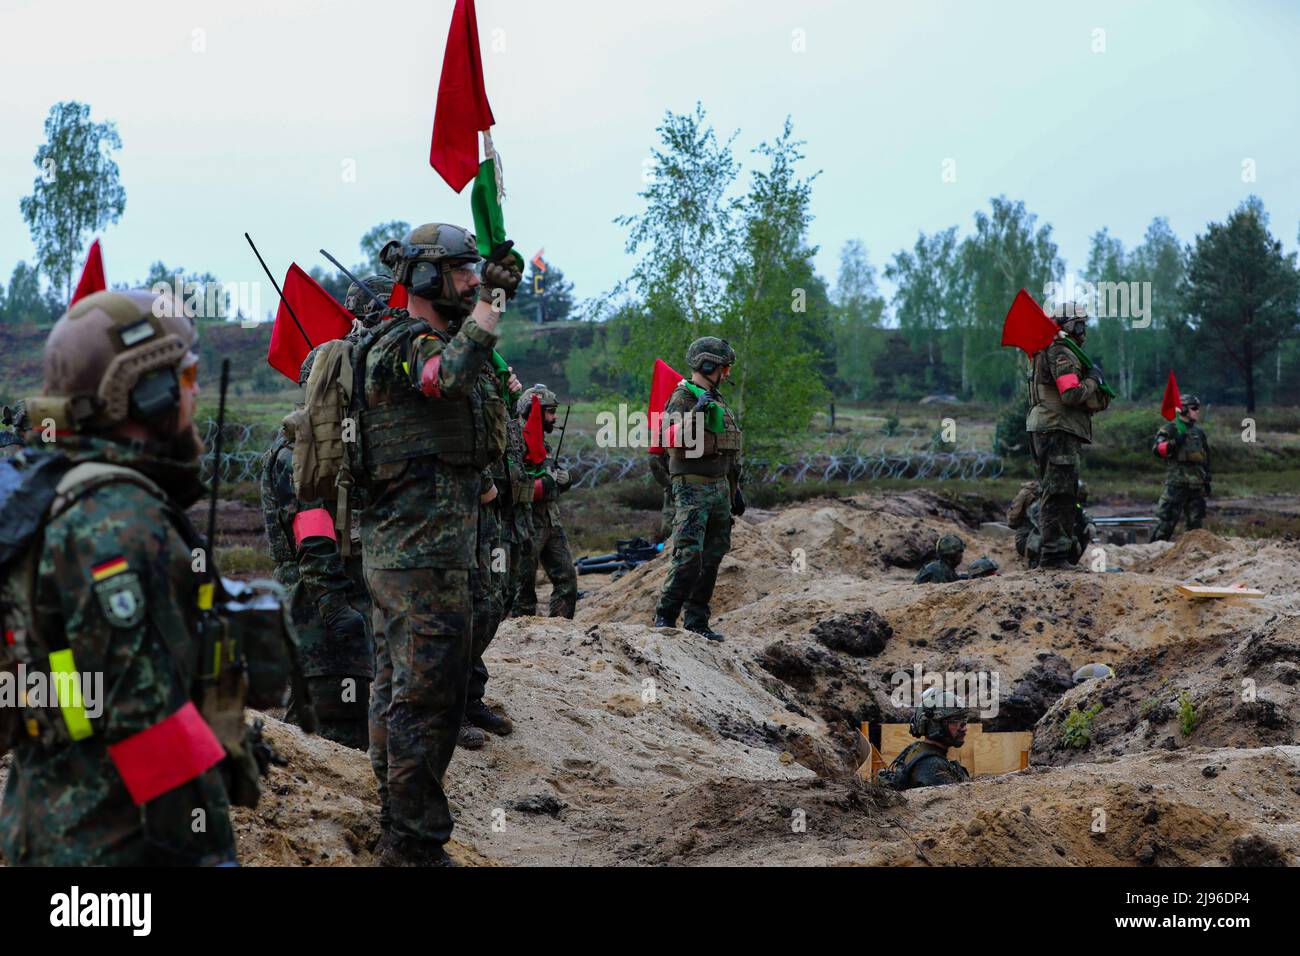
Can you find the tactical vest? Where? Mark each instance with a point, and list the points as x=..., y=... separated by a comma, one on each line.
x=719, y=449
x=1193, y=449
x=462, y=432
x=1049, y=412
x=898, y=775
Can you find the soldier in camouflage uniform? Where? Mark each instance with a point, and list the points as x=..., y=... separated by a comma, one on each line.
x=703, y=440
x=13, y=428
x=430, y=423
x=113, y=593
x=550, y=546
x=1185, y=449
x=940, y=720
x=943, y=569
x=1024, y=517
x=505, y=532
x=1064, y=398
x=325, y=590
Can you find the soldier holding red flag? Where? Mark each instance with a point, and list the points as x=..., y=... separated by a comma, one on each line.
x=1065, y=392
x=1184, y=447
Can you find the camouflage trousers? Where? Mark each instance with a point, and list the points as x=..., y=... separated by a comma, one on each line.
x=551, y=550
x=1178, y=500
x=1057, y=454
x=701, y=538
x=422, y=622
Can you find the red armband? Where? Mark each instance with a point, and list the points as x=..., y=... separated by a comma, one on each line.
x=1162, y=449
x=539, y=492
x=429, y=377
x=166, y=755
x=1067, y=382
x=315, y=523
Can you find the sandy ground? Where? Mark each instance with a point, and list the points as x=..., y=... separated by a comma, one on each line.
x=637, y=746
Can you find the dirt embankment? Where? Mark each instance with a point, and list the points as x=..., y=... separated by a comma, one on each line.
x=642, y=746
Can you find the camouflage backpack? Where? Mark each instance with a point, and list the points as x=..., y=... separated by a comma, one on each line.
x=321, y=431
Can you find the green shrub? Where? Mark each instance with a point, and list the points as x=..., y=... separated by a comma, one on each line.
x=1078, y=727
x=1188, y=717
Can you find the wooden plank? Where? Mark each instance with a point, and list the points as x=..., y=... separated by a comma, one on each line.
x=1202, y=591
x=1001, y=753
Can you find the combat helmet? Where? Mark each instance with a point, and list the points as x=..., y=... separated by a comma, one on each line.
x=545, y=398
x=115, y=357
x=424, y=259
x=1072, y=317
x=1189, y=401
x=931, y=715
x=364, y=307
x=950, y=546
x=707, y=353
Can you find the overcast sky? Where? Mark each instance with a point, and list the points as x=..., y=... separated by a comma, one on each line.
x=247, y=114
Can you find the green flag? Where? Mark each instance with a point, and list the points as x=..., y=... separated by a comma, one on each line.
x=489, y=223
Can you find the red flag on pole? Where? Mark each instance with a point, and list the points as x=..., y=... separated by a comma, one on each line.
x=322, y=318
x=538, y=262
x=1027, y=326
x=662, y=383
x=534, y=443
x=398, y=299
x=92, y=275
x=1173, y=401
x=462, y=108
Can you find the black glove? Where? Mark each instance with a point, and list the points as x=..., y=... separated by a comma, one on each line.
x=704, y=400
x=738, y=503
x=343, y=621
x=499, y=272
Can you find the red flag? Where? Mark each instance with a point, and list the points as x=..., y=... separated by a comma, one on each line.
x=398, y=299
x=1173, y=401
x=538, y=262
x=463, y=107
x=533, y=440
x=322, y=319
x=92, y=275
x=1027, y=326
x=662, y=382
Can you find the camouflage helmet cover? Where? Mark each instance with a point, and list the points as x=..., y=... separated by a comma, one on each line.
x=950, y=545
x=545, y=397
x=712, y=349
x=360, y=304
x=1190, y=401
x=106, y=343
x=934, y=710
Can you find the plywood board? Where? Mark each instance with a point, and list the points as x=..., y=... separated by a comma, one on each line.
x=983, y=754
x=1202, y=591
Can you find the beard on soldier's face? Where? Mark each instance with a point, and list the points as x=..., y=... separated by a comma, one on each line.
x=186, y=446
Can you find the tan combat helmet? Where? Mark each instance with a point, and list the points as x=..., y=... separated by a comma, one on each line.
x=114, y=357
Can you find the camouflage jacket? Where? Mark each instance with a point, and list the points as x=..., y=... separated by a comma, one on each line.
x=1186, y=456
x=514, y=488
x=1064, y=397
x=316, y=578
x=937, y=572
x=924, y=763
x=115, y=582
x=427, y=515
x=549, y=483
x=718, y=456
